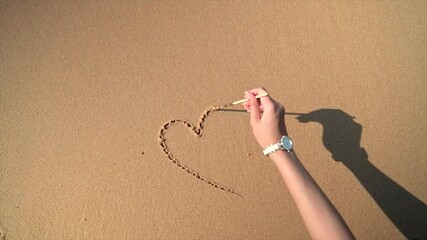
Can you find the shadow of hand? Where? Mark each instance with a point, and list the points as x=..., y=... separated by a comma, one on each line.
x=341, y=137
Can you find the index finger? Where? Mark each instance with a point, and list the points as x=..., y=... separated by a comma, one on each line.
x=265, y=101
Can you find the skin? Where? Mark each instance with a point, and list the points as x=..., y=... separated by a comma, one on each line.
x=320, y=217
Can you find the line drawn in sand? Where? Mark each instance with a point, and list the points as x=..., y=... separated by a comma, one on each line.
x=197, y=131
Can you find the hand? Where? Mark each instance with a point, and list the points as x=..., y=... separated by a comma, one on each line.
x=267, y=117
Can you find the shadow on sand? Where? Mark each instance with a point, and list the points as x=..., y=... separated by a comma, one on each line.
x=341, y=137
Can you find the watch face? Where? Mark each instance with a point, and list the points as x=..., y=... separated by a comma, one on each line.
x=286, y=143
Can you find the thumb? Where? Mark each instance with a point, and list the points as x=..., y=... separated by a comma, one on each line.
x=255, y=108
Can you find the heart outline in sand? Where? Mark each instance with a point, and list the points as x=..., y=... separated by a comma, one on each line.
x=197, y=131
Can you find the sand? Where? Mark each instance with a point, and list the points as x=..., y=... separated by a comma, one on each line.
x=85, y=88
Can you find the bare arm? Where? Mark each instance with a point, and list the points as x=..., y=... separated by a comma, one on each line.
x=321, y=218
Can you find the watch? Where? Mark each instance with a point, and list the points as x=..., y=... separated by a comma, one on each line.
x=285, y=143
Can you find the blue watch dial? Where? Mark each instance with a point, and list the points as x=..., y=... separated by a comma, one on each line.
x=287, y=143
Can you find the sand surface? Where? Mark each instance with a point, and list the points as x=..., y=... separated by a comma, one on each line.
x=85, y=87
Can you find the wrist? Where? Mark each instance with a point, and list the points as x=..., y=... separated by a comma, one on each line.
x=281, y=156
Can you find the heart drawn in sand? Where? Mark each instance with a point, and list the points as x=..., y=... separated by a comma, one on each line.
x=197, y=131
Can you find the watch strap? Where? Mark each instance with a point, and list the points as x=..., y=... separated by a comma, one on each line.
x=272, y=148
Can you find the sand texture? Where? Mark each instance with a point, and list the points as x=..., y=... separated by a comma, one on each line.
x=88, y=87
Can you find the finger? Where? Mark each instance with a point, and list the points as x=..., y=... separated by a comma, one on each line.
x=254, y=108
x=246, y=95
x=248, y=110
x=258, y=91
x=255, y=91
x=266, y=102
x=246, y=104
x=249, y=107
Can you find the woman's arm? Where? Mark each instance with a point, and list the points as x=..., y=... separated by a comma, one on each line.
x=319, y=215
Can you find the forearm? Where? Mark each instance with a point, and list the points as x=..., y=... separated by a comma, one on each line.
x=319, y=215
